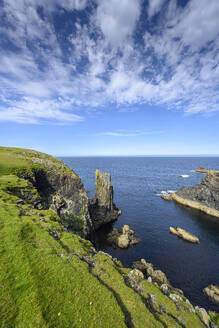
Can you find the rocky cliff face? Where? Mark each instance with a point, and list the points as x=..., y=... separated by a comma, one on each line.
x=102, y=208
x=204, y=196
x=61, y=190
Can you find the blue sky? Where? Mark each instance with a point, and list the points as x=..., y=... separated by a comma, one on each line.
x=109, y=77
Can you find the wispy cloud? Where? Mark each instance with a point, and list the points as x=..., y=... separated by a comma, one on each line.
x=114, y=55
x=127, y=134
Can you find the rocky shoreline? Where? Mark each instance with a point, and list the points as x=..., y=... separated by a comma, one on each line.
x=47, y=218
x=203, y=197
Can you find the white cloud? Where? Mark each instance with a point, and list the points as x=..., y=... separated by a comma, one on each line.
x=154, y=7
x=197, y=24
x=50, y=82
x=117, y=19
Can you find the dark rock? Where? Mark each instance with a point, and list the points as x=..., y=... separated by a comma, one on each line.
x=140, y=266
x=20, y=202
x=152, y=304
x=204, y=196
x=102, y=208
x=54, y=234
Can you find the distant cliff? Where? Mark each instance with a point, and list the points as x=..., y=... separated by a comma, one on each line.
x=204, y=196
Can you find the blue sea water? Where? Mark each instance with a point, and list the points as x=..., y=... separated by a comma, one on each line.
x=137, y=183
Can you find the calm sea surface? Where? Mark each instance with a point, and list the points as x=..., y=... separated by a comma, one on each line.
x=137, y=183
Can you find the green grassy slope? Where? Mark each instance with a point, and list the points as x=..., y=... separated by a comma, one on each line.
x=54, y=279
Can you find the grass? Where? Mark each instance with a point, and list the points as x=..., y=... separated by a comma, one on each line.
x=48, y=283
x=18, y=160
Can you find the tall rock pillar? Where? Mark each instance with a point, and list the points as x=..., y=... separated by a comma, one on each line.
x=102, y=209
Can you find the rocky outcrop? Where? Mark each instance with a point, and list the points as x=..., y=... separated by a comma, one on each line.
x=124, y=238
x=204, y=196
x=212, y=292
x=185, y=235
x=102, y=208
x=148, y=270
x=61, y=190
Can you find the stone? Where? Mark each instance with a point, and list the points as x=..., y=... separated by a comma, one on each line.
x=185, y=235
x=133, y=281
x=175, y=298
x=102, y=208
x=212, y=291
x=136, y=273
x=20, y=202
x=165, y=289
x=213, y=325
x=149, y=279
x=152, y=304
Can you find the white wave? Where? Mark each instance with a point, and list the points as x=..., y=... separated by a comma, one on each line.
x=165, y=193
x=183, y=175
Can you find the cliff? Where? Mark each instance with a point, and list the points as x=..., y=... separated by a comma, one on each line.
x=204, y=196
x=51, y=277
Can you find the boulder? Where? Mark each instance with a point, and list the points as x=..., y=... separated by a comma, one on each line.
x=124, y=238
x=212, y=291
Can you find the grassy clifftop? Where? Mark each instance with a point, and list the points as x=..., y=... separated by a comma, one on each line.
x=51, y=278
x=15, y=160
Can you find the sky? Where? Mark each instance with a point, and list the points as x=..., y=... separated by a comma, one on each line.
x=109, y=77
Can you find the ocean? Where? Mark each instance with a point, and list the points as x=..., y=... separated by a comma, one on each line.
x=138, y=183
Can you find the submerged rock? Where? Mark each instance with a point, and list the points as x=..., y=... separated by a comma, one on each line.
x=102, y=208
x=212, y=291
x=184, y=235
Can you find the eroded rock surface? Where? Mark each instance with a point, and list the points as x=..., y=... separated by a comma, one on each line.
x=204, y=196
x=102, y=208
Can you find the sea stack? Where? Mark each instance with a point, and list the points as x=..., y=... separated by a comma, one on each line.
x=102, y=208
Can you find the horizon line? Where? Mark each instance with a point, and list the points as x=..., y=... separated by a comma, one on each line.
x=159, y=155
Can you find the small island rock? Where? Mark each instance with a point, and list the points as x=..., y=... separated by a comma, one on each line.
x=184, y=235
x=124, y=238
